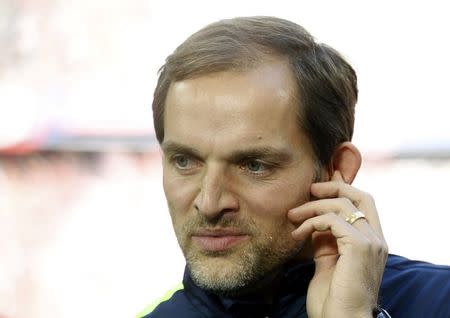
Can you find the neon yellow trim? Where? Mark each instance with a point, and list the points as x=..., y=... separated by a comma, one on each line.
x=155, y=304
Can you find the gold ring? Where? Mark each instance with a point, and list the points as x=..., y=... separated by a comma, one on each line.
x=355, y=216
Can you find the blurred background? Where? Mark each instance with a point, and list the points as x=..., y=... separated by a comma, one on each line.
x=84, y=230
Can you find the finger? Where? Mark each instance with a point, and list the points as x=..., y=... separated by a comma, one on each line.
x=337, y=176
x=319, y=207
x=348, y=238
x=333, y=189
x=327, y=222
x=360, y=199
x=339, y=206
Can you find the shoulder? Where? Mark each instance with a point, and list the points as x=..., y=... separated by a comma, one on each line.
x=174, y=303
x=415, y=289
x=405, y=271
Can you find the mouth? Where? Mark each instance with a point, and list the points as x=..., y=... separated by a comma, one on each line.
x=218, y=240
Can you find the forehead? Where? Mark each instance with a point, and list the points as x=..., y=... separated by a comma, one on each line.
x=223, y=108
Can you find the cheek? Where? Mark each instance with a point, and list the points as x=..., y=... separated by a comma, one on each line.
x=269, y=204
x=179, y=194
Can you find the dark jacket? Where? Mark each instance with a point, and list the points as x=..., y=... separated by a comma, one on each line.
x=409, y=289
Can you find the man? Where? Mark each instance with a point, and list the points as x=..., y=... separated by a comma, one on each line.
x=255, y=120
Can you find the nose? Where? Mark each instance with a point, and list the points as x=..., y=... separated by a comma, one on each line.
x=215, y=197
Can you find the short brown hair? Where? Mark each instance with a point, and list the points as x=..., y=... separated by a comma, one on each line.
x=327, y=84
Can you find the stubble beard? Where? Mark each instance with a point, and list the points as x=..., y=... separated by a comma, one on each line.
x=234, y=271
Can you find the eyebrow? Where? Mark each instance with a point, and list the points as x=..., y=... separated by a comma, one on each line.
x=265, y=152
x=279, y=155
x=171, y=147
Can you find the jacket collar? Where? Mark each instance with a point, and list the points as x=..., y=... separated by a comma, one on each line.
x=294, y=281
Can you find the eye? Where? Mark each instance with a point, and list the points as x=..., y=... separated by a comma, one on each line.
x=258, y=168
x=182, y=161
x=255, y=166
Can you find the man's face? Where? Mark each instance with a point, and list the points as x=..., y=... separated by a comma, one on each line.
x=235, y=161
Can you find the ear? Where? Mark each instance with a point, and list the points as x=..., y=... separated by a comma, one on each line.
x=347, y=160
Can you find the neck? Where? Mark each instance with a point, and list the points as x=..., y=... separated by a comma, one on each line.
x=265, y=288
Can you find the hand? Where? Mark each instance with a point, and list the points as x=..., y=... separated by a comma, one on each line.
x=349, y=259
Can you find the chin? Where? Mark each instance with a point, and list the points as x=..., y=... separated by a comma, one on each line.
x=224, y=274
x=233, y=274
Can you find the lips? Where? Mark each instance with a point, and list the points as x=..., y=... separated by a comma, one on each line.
x=218, y=240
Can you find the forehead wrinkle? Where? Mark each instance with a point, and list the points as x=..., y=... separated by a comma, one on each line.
x=216, y=112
